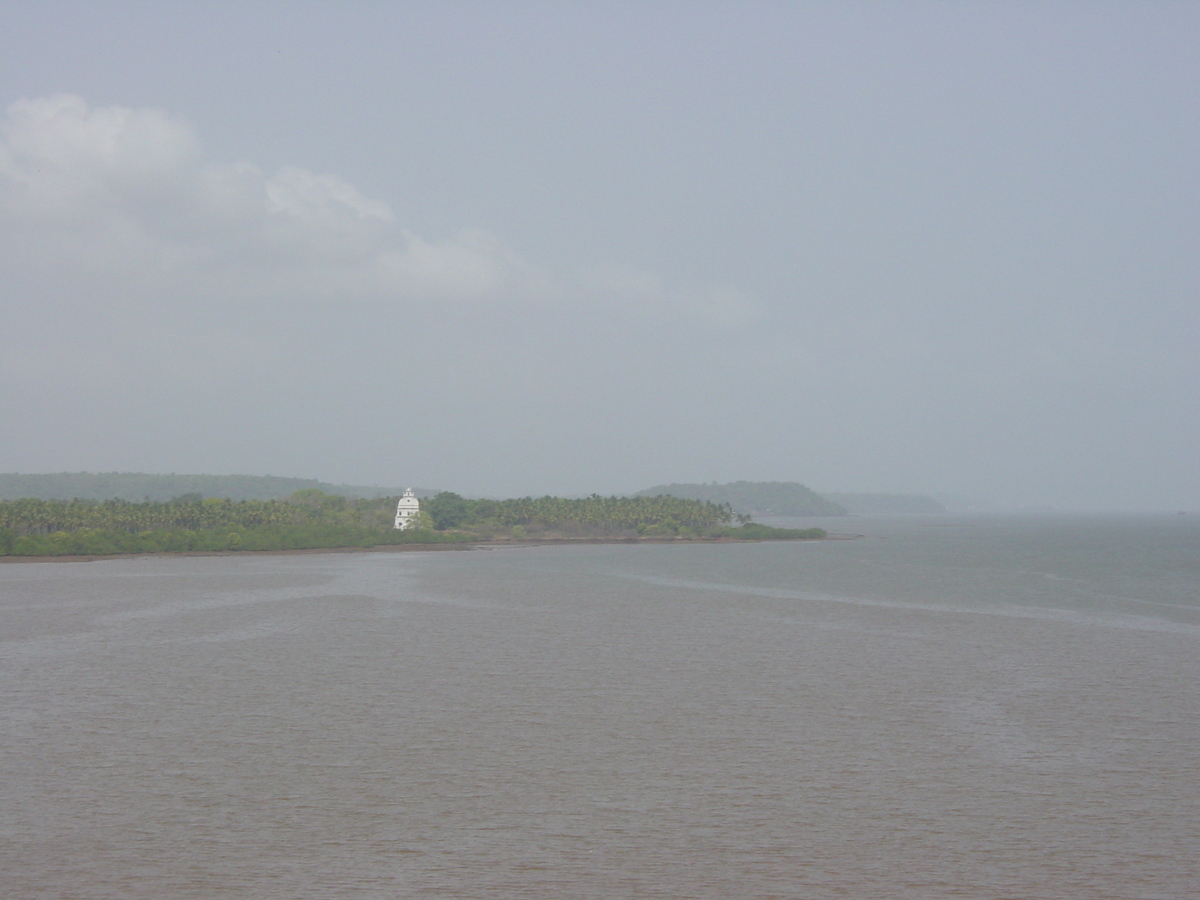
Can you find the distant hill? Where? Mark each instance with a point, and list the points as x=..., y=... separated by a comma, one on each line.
x=756, y=498
x=135, y=487
x=888, y=504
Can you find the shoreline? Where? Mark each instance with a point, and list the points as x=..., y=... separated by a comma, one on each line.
x=406, y=548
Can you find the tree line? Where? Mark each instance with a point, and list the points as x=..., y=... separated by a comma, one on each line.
x=661, y=515
x=594, y=515
x=312, y=519
x=759, y=498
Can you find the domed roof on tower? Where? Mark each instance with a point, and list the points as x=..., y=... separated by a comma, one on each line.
x=406, y=509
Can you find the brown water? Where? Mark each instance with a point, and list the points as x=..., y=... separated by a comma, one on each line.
x=984, y=711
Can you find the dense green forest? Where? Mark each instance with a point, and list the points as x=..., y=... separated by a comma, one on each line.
x=312, y=519
x=590, y=516
x=756, y=498
x=309, y=519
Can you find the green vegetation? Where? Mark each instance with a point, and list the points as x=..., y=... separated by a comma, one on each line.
x=756, y=498
x=630, y=518
x=313, y=519
x=594, y=516
x=753, y=531
x=309, y=519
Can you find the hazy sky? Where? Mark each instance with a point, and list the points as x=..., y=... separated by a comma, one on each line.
x=513, y=248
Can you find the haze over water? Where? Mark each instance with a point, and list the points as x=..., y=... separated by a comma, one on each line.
x=983, y=708
x=530, y=248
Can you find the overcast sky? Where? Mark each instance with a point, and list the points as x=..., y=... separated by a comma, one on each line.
x=526, y=248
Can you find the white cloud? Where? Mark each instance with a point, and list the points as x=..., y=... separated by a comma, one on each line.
x=111, y=189
x=124, y=201
x=57, y=154
x=471, y=264
x=320, y=200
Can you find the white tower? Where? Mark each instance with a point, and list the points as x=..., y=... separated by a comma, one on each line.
x=406, y=510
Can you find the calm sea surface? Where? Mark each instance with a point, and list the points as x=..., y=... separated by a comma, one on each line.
x=951, y=707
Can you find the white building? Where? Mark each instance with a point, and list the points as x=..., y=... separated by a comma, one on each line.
x=406, y=510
